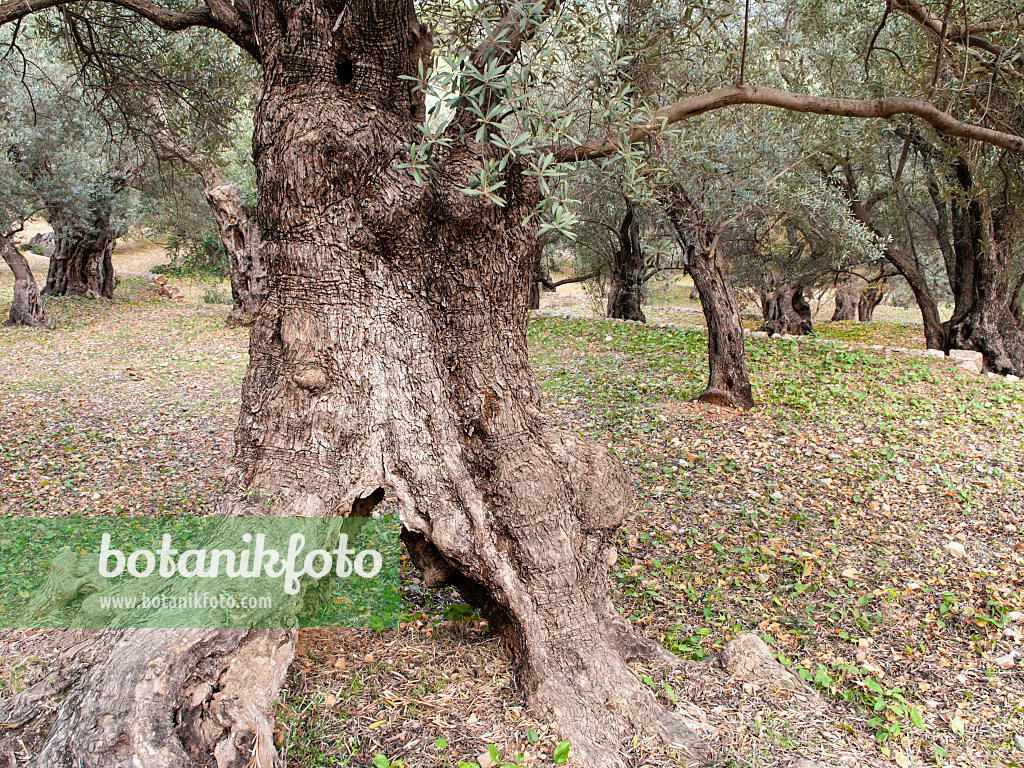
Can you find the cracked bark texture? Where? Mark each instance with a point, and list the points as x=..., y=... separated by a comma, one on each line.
x=704, y=260
x=82, y=263
x=628, y=277
x=786, y=311
x=982, y=317
x=391, y=353
x=26, y=305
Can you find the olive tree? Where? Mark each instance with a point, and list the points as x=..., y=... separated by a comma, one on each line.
x=390, y=352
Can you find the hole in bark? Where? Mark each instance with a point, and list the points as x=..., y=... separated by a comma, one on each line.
x=364, y=506
x=345, y=71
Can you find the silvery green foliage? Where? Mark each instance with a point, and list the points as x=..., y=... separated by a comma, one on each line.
x=61, y=162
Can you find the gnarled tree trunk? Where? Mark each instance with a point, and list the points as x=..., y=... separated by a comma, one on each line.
x=27, y=305
x=870, y=298
x=786, y=311
x=626, y=291
x=848, y=298
x=240, y=235
x=728, y=382
x=82, y=263
x=982, y=319
x=391, y=352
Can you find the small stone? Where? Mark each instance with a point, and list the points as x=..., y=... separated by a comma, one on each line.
x=934, y=353
x=834, y=457
x=611, y=556
x=759, y=335
x=96, y=496
x=1011, y=377
x=607, y=338
x=956, y=549
x=484, y=760
x=1018, y=741
x=967, y=354
x=971, y=366
x=1005, y=662
x=1014, y=616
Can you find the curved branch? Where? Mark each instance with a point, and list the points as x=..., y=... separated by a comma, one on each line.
x=795, y=102
x=969, y=35
x=223, y=18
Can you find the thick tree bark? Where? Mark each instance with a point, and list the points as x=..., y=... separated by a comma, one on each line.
x=848, y=298
x=982, y=319
x=728, y=382
x=391, y=352
x=82, y=264
x=870, y=298
x=628, y=278
x=786, y=311
x=27, y=305
x=240, y=235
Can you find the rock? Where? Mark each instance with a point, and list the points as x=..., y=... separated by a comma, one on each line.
x=956, y=549
x=966, y=354
x=934, y=353
x=759, y=335
x=971, y=366
x=607, y=338
x=1018, y=741
x=1005, y=662
x=1013, y=616
x=805, y=763
x=1011, y=377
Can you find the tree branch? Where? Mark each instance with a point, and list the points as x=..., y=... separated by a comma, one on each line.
x=969, y=34
x=795, y=102
x=501, y=47
x=226, y=19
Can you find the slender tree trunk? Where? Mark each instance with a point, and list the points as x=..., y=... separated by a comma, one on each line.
x=27, y=305
x=786, y=311
x=935, y=333
x=982, y=318
x=391, y=352
x=236, y=224
x=728, y=382
x=240, y=236
x=626, y=292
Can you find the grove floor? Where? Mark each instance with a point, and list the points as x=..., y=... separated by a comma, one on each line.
x=826, y=520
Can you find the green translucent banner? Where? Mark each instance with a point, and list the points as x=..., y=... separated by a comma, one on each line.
x=199, y=572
